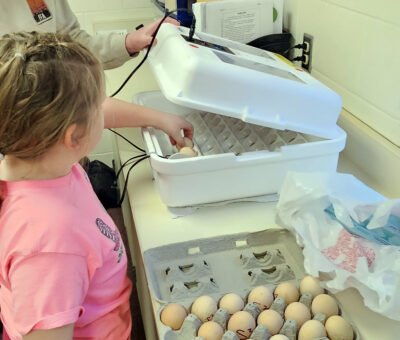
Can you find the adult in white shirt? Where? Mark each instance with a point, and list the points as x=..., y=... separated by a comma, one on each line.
x=112, y=49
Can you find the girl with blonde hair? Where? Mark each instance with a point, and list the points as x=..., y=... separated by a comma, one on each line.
x=62, y=262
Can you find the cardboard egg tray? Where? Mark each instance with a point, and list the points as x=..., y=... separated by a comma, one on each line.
x=181, y=272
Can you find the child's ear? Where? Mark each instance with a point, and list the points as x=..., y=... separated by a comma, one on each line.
x=70, y=139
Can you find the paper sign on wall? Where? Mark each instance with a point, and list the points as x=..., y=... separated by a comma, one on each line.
x=237, y=20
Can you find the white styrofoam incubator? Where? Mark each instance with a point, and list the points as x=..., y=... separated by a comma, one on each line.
x=255, y=117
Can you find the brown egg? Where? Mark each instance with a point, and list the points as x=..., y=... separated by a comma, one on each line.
x=311, y=285
x=324, y=304
x=279, y=337
x=204, y=308
x=210, y=330
x=272, y=320
x=242, y=323
x=261, y=296
x=312, y=329
x=299, y=312
x=287, y=291
x=338, y=328
x=173, y=315
x=232, y=303
x=188, y=142
x=188, y=151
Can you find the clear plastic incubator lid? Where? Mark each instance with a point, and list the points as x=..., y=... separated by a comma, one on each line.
x=216, y=75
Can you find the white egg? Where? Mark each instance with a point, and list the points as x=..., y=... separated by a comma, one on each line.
x=173, y=315
x=204, y=308
x=262, y=296
x=242, y=323
x=311, y=285
x=232, y=303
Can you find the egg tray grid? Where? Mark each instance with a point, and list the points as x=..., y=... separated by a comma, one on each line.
x=193, y=269
x=215, y=134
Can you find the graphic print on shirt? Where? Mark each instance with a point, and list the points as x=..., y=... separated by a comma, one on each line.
x=40, y=11
x=112, y=235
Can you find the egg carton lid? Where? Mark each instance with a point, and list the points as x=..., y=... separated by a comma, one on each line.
x=223, y=253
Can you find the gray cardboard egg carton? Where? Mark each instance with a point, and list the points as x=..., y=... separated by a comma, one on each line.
x=216, y=134
x=179, y=273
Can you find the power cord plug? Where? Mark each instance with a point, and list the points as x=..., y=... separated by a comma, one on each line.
x=303, y=58
x=298, y=46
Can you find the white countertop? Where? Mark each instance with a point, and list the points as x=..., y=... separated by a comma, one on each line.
x=154, y=225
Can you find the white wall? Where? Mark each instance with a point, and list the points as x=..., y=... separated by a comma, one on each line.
x=94, y=15
x=356, y=52
x=92, y=11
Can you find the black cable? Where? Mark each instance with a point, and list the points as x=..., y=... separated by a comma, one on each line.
x=192, y=29
x=127, y=178
x=167, y=14
x=126, y=163
x=299, y=58
x=299, y=46
x=126, y=139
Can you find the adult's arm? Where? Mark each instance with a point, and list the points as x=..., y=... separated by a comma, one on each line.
x=109, y=48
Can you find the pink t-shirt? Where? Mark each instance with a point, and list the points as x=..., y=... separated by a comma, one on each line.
x=62, y=260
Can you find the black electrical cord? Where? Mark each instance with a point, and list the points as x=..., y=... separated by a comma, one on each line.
x=300, y=58
x=144, y=155
x=167, y=14
x=298, y=46
x=126, y=163
x=126, y=139
x=127, y=177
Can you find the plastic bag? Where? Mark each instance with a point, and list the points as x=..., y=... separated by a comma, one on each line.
x=344, y=228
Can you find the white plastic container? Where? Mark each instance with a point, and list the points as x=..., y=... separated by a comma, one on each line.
x=249, y=88
x=226, y=176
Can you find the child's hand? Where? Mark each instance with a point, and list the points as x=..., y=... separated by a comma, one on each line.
x=173, y=125
x=140, y=39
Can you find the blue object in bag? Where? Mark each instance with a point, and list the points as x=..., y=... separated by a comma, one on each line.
x=389, y=234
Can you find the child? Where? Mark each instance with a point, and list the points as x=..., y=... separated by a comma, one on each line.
x=62, y=263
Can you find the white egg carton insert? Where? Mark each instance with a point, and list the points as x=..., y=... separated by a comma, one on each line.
x=181, y=272
x=236, y=159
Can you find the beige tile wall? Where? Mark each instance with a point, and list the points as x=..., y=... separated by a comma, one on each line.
x=356, y=52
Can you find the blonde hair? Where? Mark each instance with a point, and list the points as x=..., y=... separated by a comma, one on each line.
x=47, y=83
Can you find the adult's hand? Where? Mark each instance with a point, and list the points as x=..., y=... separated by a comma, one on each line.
x=140, y=39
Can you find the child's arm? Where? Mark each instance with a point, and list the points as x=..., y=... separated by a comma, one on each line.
x=118, y=113
x=60, y=333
